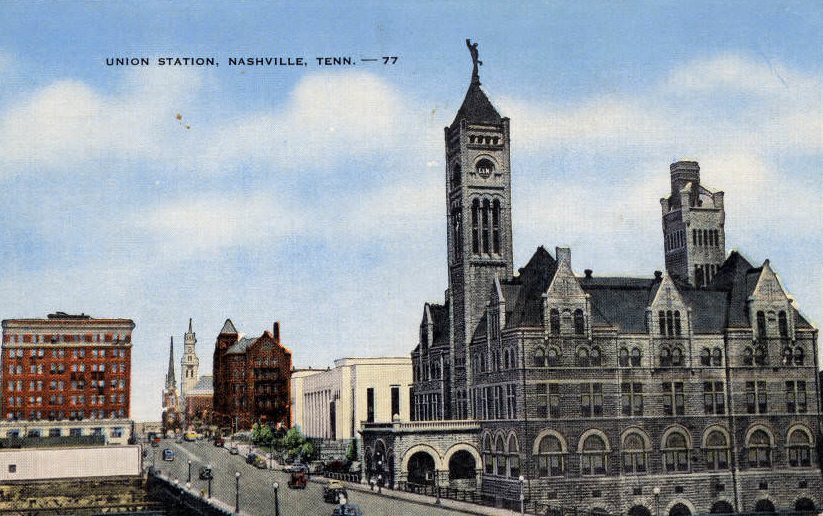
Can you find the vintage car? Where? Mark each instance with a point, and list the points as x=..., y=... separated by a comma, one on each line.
x=168, y=454
x=206, y=472
x=332, y=492
x=347, y=509
x=234, y=450
x=218, y=441
x=297, y=480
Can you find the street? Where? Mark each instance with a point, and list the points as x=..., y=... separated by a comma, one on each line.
x=256, y=491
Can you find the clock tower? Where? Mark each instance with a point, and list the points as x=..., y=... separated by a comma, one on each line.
x=189, y=363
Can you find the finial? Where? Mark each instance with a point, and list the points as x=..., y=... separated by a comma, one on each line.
x=189, y=324
x=475, y=60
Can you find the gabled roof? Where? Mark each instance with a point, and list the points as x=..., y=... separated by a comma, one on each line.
x=228, y=328
x=241, y=346
x=204, y=385
x=476, y=108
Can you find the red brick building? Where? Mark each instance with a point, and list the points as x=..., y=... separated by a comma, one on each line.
x=199, y=402
x=251, y=379
x=66, y=367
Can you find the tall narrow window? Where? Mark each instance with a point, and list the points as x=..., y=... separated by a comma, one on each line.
x=476, y=226
x=677, y=329
x=799, y=449
x=496, y=227
x=796, y=401
x=514, y=457
x=631, y=395
x=550, y=457
x=370, y=405
x=756, y=398
x=635, y=357
x=591, y=399
x=674, y=401
x=761, y=324
x=760, y=450
x=485, y=223
x=554, y=321
x=717, y=451
x=676, y=452
x=634, y=454
x=714, y=401
x=395, y=400
x=783, y=324
x=579, y=325
x=661, y=322
x=594, y=456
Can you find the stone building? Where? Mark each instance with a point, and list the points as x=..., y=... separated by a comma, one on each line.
x=172, y=416
x=189, y=363
x=692, y=390
x=251, y=379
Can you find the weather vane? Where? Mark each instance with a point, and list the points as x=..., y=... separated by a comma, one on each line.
x=475, y=60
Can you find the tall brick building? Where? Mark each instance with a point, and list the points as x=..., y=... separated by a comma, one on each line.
x=251, y=379
x=66, y=367
x=690, y=390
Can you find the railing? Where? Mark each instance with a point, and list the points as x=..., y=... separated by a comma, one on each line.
x=530, y=506
x=345, y=477
x=444, y=424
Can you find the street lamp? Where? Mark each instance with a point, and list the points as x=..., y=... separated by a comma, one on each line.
x=275, y=485
x=237, y=492
x=210, y=485
x=522, y=495
x=656, y=493
x=189, y=480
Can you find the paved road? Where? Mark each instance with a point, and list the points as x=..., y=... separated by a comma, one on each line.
x=256, y=491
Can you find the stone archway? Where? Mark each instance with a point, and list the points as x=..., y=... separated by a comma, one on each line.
x=764, y=505
x=463, y=470
x=722, y=507
x=421, y=469
x=639, y=510
x=804, y=505
x=679, y=509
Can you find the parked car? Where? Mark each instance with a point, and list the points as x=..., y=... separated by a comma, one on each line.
x=297, y=480
x=260, y=462
x=317, y=467
x=234, y=450
x=190, y=436
x=250, y=458
x=332, y=492
x=296, y=467
x=179, y=439
x=155, y=442
x=218, y=441
x=349, y=509
x=206, y=473
x=168, y=454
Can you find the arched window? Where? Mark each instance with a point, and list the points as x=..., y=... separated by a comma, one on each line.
x=593, y=456
x=476, y=226
x=500, y=456
x=676, y=452
x=554, y=321
x=579, y=325
x=761, y=324
x=677, y=357
x=760, y=450
x=677, y=328
x=783, y=324
x=635, y=357
x=488, y=461
x=661, y=322
x=799, y=448
x=761, y=358
x=566, y=321
x=550, y=457
x=665, y=357
x=748, y=356
x=456, y=175
x=496, y=226
x=514, y=457
x=705, y=357
x=553, y=357
x=669, y=323
x=717, y=357
x=596, y=357
x=539, y=358
x=582, y=358
x=634, y=454
x=623, y=357
x=787, y=355
x=717, y=451
x=485, y=229
x=798, y=356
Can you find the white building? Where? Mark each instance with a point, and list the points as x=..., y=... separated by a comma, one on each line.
x=332, y=404
x=114, y=431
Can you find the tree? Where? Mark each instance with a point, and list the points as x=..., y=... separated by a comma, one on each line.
x=351, y=451
x=261, y=434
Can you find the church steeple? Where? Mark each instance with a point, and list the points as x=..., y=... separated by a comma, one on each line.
x=171, y=380
x=189, y=363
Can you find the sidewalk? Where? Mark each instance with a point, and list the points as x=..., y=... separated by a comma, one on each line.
x=426, y=501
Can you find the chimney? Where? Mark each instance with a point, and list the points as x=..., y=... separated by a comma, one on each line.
x=563, y=254
x=588, y=273
x=658, y=275
x=276, y=331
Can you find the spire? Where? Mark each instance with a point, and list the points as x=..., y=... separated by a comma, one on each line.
x=190, y=325
x=171, y=381
x=476, y=107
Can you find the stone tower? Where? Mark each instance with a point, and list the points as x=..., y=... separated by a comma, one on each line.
x=171, y=399
x=478, y=204
x=189, y=363
x=694, y=239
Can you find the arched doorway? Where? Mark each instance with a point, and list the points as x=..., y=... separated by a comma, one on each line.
x=764, y=506
x=639, y=510
x=679, y=509
x=804, y=505
x=722, y=507
x=421, y=469
x=462, y=470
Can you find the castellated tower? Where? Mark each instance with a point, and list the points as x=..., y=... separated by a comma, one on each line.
x=478, y=203
x=189, y=363
x=694, y=239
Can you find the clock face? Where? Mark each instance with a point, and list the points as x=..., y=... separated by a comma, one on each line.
x=484, y=168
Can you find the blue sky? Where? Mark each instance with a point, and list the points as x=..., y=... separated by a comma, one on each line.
x=314, y=195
